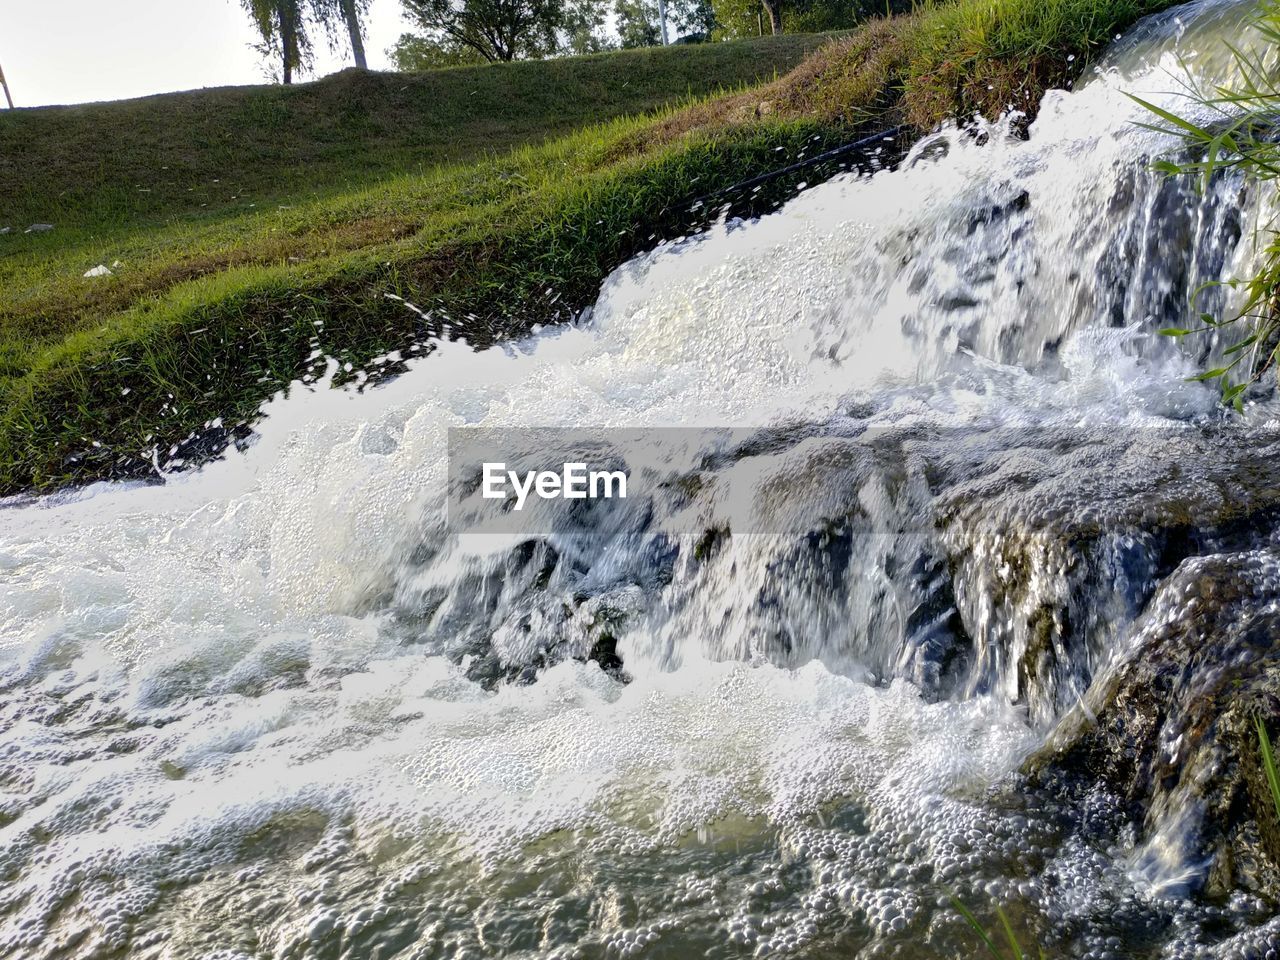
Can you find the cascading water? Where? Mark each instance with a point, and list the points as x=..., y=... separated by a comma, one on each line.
x=267, y=709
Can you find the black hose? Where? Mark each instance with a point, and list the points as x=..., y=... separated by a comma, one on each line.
x=884, y=136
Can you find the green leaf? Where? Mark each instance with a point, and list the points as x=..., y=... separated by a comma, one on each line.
x=1269, y=764
x=1211, y=161
x=1009, y=935
x=1210, y=374
x=1247, y=341
x=1198, y=132
x=973, y=922
x=1174, y=332
x=1202, y=288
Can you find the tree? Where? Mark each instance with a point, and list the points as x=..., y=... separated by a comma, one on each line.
x=774, y=9
x=581, y=28
x=694, y=18
x=351, y=14
x=743, y=18
x=495, y=29
x=283, y=28
x=336, y=14
x=638, y=23
x=412, y=53
x=285, y=25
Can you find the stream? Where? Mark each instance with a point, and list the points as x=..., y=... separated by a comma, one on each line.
x=283, y=707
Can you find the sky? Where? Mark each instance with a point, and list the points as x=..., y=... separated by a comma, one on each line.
x=79, y=51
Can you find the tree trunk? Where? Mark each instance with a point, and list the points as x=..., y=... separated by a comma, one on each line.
x=353, y=27
x=774, y=9
x=288, y=40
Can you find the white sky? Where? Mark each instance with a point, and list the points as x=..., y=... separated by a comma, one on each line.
x=77, y=51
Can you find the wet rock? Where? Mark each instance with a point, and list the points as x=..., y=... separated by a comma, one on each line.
x=833, y=566
x=1058, y=539
x=966, y=561
x=957, y=301
x=1169, y=730
x=510, y=615
x=1007, y=560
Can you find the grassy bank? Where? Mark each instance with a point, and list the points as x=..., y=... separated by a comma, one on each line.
x=212, y=309
x=208, y=152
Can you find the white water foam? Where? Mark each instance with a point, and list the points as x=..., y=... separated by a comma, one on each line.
x=190, y=667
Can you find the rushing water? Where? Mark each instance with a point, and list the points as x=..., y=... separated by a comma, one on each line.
x=275, y=709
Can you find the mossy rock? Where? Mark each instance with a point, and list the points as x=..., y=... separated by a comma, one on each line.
x=1170, y=730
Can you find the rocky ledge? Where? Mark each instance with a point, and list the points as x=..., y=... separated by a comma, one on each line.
x=1169, y=729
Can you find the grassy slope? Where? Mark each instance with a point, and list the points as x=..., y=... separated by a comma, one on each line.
x=108, y=165
x=211, y=312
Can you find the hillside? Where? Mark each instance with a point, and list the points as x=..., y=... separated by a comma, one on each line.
x=325, y=214
x=209, y=151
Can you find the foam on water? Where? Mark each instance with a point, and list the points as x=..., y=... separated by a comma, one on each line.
x=218, y=740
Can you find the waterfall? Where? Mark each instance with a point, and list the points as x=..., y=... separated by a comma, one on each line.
x=279, y=707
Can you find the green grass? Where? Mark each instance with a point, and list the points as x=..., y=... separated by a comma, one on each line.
x=1009, y=50
x=211, y=151
x=342, y=202
x=1016, y=951
x=1269, y=764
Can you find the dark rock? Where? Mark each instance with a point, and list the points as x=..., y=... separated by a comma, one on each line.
x=1170, y=731
x=1059, y=538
